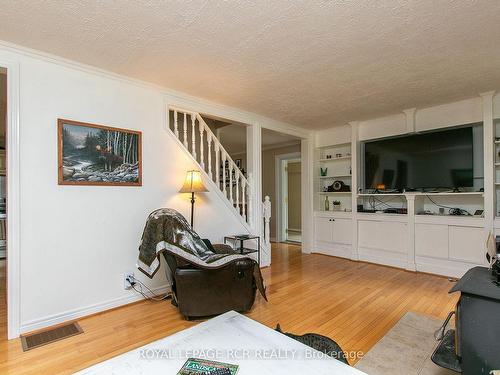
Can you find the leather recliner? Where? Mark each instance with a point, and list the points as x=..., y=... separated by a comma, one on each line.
x=203, y=292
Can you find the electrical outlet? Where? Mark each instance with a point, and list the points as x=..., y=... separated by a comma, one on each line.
x=127, y=276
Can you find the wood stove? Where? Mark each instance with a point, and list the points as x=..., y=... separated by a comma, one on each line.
x=473, y=348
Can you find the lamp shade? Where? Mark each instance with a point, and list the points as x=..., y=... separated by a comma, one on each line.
x=193, y=183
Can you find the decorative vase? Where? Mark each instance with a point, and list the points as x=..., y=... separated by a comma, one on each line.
x=327, y=204
x=323, y=172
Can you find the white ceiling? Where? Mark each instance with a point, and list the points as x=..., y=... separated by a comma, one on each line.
x=310, y=63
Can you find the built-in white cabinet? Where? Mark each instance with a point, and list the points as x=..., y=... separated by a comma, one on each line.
x=383, y=235
x=383, y=240
x=467, y=244
x=446, y=246
x=333, y=235
x=431, y=240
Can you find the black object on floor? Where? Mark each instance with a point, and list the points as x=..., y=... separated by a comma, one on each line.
x=36, y=340
x=320, y=343
x=444, y=355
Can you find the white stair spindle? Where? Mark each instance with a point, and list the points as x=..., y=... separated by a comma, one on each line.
x=224, y=174
x=209, y=156
x=185, y=130
x=250, y=200
x=193, y=136
x=237, y=175
x=217, y=165
x=243, y=200
x=176, y=125
x=231, y=183
x=201, y=146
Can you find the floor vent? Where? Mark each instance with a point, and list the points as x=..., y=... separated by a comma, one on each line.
x=36, y=340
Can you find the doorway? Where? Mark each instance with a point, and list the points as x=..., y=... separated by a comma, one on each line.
x=292, y=222
x=289, y=185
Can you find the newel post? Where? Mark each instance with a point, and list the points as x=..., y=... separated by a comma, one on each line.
x=250, y=199
x=266, y=213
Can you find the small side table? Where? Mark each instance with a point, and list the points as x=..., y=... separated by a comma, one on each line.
x=242, y=249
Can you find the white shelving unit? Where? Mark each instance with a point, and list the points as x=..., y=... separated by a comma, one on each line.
x=424, y=238
x=496, y=129
x=335, y=162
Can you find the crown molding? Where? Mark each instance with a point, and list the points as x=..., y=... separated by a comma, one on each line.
x=196, y=103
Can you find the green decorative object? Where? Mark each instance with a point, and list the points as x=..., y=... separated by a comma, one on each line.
x=336, y=205
x=323, y=172
x=327, y=203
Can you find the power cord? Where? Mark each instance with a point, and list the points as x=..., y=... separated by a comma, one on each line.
x=451, y=210
x=372, y=202
x=135, y=282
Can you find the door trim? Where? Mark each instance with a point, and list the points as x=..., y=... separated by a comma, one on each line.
x=278, y=190
x=13, y=194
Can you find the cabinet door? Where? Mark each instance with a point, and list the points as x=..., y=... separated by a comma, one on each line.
x=323, y=229
x=467, y=244
x=431, y=240
x=342, y=231
x=381, y=235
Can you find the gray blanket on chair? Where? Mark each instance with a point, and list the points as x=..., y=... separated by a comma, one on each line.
x=168, y=231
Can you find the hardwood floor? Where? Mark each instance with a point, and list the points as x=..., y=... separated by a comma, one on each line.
x=354, y=303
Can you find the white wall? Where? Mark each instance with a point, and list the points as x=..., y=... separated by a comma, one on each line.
x=76, y=242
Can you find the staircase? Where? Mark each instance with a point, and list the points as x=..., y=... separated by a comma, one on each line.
x=197, y=138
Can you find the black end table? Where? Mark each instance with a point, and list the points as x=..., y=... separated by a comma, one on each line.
x=241, y=238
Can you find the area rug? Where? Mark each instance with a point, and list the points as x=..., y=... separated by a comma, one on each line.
x=405, y=349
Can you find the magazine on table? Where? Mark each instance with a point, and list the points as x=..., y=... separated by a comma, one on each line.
x=196, y=366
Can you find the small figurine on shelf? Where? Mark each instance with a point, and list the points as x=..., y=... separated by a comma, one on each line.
x=323, y=172
x=327, y=203
x=336, y=205
x=328, y=156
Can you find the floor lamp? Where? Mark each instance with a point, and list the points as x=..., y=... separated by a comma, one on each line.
x=193, y=184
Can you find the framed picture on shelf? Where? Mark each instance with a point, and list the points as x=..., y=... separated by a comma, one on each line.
x=90, y=154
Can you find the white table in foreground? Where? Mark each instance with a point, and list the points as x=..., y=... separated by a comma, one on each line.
x=233, y=338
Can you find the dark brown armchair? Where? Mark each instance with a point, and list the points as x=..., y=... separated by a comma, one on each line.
x=202, y=292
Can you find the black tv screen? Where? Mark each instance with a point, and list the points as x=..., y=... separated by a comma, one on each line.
x=434, y=160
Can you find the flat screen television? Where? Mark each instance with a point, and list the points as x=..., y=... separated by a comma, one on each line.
x=434, y=160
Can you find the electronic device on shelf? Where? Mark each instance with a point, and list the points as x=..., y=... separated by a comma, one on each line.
x=394, y=210
x=479, y=213
x=458, y=212
x=402, y=162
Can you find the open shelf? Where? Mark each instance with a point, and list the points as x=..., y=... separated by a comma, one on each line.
x=335, y=162
x=417, y=193
x=380, y=194
x=338, y=176
x=335, y=159
x=334, y=193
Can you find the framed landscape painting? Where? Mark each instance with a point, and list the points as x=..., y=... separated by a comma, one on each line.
x=92, y=154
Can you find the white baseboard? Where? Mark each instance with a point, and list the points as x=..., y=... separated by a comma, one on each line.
x=384, y=257
x=336, y=250
x=69, y=315
x=442, y=266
